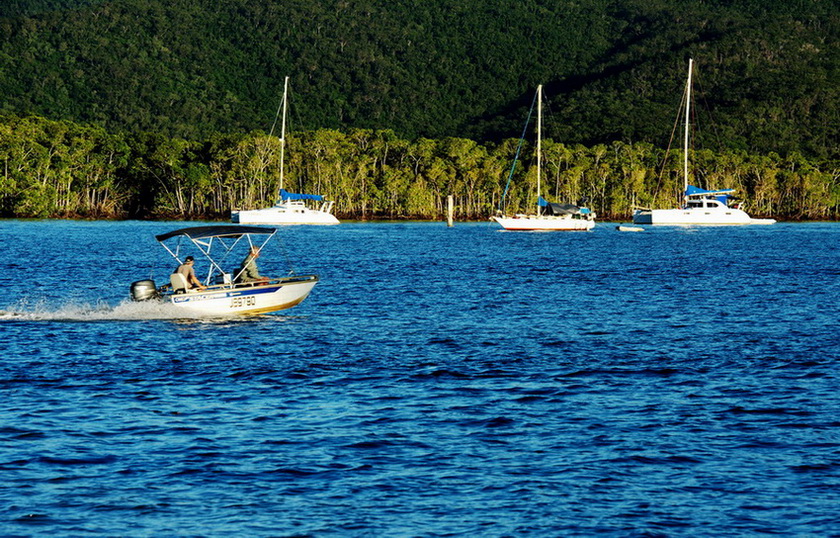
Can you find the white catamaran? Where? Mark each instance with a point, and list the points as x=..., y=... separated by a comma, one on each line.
x=548, y=216
x=225, y=290
x=290, y=208
x=700, y=207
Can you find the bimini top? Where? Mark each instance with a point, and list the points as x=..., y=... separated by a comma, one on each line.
x=203, y=232
x=286, y=195
x=696, y=191
x=554, y=209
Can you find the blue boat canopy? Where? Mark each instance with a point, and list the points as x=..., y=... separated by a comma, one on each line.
x=286, y=195
x=691, y=190
x=722, y=196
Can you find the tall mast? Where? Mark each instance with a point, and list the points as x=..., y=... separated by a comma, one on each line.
x=283, y=130
x=685, y=138
x=539, y=143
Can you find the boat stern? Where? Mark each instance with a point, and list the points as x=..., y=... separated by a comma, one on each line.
x=643, y=216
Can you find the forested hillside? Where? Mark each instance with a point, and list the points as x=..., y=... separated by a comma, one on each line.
x=26, y=8
x=159, y=108
x=437, y=68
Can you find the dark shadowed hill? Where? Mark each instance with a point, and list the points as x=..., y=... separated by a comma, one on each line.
x=768, y=72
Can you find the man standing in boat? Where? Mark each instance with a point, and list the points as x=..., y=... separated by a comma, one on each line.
x=248, y=271
x=188, y=271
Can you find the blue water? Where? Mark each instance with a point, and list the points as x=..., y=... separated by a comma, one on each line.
x=439, y=381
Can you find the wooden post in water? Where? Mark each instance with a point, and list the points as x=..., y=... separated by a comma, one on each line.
x=450, y=210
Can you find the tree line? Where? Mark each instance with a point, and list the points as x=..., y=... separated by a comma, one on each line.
x=60, y=169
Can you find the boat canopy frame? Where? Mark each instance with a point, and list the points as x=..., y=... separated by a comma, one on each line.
x=204, y=237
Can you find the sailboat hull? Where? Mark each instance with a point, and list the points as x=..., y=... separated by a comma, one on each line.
x=564, y=223
x=725, y=216
x=288, y=213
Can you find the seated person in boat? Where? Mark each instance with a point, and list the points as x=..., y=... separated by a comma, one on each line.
x=188, y=271
x=248, y=271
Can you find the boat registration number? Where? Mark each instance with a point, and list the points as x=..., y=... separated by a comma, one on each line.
x=239, y=302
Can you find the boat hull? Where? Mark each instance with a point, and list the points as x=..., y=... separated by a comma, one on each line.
x=545, y=223
x=290, y=213
x=245, y=299
x=267, y=216
x=696, y=217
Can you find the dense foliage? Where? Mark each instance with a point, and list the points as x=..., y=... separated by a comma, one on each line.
x=438, y=68
x=58, y=168
x=26, y=8
x=147, y=108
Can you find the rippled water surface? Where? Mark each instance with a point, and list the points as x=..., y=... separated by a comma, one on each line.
x=438, y=382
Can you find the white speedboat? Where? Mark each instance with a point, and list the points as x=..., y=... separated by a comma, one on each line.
x=291, y=208
x=224, y=293
x=700, y=207
x=548, y=216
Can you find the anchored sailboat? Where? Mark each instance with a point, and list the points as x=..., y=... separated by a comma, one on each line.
x=290, y=208
x=699, y=206
x=548, y=216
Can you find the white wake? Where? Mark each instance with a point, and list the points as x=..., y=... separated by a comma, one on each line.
x=127, y=310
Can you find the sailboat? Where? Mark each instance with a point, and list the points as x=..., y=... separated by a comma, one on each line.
x=700, y=206
x=291, y=208
x=548, y=216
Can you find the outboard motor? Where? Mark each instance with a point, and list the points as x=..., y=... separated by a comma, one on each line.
x=144, y=290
